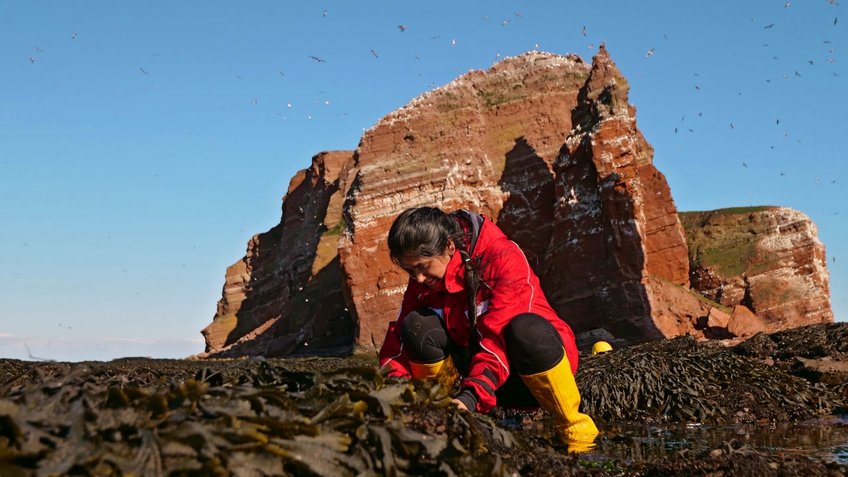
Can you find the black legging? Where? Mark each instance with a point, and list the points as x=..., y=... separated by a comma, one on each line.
x=532, y=346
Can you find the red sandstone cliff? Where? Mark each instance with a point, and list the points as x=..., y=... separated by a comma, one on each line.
x=766, y=258
x=485, y=142
x=285, y=295
x=545, y=145
x=615, y=223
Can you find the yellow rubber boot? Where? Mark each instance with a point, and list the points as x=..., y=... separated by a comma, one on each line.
x=556, y=391
x=444, y=371
x=426, y=370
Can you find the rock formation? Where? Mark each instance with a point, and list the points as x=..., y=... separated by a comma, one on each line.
x=768, y=259
x=545, y=145
x=285, y=295
x=485, y=142
x=617, y=240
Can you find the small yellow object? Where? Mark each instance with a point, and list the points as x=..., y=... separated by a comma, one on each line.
x=601, y=347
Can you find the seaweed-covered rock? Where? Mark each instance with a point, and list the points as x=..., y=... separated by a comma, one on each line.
x=237, y=418
x=681, y=380
x=336, y=417
x=817, y=353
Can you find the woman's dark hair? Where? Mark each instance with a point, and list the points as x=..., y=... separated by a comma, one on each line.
x=424, y=232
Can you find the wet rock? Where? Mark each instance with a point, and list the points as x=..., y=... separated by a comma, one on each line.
x=818, y=353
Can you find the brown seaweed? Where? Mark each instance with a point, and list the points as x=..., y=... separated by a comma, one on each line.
x=342, y=417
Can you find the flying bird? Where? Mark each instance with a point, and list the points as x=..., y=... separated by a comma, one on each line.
x=143, y=71
x=402, y=28
x=786, y=5
x=374, y=53
x=74, y=36
x=31, y=59
x=732, y=126
x=319, y=60
x=324, y=14
x=744, y=165
x=768, y=26
x=583, y=31
x=835, y=21
x=650, y=53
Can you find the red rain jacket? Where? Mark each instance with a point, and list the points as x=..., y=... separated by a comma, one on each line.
x=509, y=288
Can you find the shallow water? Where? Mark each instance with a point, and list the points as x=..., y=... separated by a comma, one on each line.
x=826, y=438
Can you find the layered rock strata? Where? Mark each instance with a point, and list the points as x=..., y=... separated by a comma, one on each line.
x=285, y=295
x=545, y=145
x=485, y=142
x=768, y=259
x=617, y=242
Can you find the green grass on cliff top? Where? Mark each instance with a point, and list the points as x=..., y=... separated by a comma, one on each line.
x=715, y=243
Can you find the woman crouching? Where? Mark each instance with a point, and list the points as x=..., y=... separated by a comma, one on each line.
x=473, y=299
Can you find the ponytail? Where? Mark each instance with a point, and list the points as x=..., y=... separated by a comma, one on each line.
x=472, y=269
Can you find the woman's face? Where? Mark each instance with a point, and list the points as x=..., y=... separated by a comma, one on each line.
x=429, y=271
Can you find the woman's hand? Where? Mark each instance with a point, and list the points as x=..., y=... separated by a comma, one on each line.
x=459, y=404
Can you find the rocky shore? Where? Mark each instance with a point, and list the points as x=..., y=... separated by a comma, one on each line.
x=340, y=416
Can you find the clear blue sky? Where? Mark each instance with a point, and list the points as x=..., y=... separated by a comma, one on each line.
x=143, y=143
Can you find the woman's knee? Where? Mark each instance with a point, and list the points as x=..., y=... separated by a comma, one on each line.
x=425, y=339
x=533, y=344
